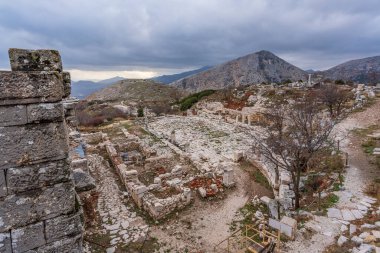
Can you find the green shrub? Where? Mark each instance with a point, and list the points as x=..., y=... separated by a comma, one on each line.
x=369, y=146
x=190, y=100
x=188, y=103
x=339, y=81
x=259, y=177
x=140, y=112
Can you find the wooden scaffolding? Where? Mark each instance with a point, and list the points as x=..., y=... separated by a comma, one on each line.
x=250, y=239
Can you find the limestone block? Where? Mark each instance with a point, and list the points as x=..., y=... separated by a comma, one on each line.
x=347, y=215
x=36, y=176
x=66, y=84
x=65, y=245
x=28, y=237
x=228, y=177
x=376, y=234
x=141, y=189
x=202, y=192
x=45, y=112
x=357, y=240
x=265, y=200
x=285, y=178
x=3, y=185
x=21, y=145
x=79, y=164
x=342, y=239
x=24, y=209
x=63, y=226
x=357, y=214
x=83, y=181
x=286, y=203
x=157, y=180
x=13, y=115
x=287, y=225
x=238, y=155
x=30, y=87
x=334, y=213
x=187, y=195
x=5, y=243
x=130, y=174
x=35, y=60
x=353, y=229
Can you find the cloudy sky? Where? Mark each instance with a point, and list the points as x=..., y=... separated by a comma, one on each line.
x=138, y=39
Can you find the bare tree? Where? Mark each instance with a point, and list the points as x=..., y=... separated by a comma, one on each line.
x=334, y=98
x=296, y=133
x=273, y=133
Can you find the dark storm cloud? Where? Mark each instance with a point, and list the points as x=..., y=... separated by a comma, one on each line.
x=120, y=34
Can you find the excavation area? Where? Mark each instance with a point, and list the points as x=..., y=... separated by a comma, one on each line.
x=200, y=180
x=181, y=181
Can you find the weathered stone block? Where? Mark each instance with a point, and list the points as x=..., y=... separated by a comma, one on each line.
x=45, y=112
x=3, y=184
x=83, y=181
x=22, y=145
x=30, y=87
x=37, y=176
x=5, y=243
x=80, y=164
x=27, y=238
x=66, y=84
x=35, y=60
x=32, y=206
x=65, y=245
x=63, y=226
x=13, y=115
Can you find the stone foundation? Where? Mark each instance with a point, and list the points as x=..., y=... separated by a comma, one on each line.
x=142, y=194
x=39, y=211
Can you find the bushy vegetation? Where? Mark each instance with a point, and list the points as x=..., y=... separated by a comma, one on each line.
x=187, y=102
x=92, y=114
x=140, y=112
x=339, y=81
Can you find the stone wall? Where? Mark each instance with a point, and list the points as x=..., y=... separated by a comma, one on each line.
x=39, y=211
x=142, y=195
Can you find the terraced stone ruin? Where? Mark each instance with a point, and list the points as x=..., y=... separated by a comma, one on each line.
x=39, y=208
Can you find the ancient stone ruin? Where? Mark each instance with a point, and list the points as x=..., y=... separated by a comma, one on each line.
x=39, y=210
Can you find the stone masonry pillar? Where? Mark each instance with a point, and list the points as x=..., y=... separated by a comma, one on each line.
x=39, y=211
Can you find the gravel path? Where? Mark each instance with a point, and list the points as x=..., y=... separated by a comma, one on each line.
x=117, y=219
x=357, y=176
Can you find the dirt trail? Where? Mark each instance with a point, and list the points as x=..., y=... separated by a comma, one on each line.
x=357, y=175
x=210, y=220
x=360, y=171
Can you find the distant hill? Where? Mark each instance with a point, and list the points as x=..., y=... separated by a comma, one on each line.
x=254, y=68
x=166, y=79
x=366, y=70
x=82, y=89
x=111, y=80
x=137, y=90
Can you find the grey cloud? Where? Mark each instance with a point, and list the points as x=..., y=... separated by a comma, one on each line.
x=123, y=34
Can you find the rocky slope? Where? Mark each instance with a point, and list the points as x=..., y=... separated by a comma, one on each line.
x=83, y=88
x=258, y=67
x=137, y=90
x=366, y=70
x=166, y=79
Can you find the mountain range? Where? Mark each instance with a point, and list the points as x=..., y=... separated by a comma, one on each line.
x=366, y=70
x=262, y=66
